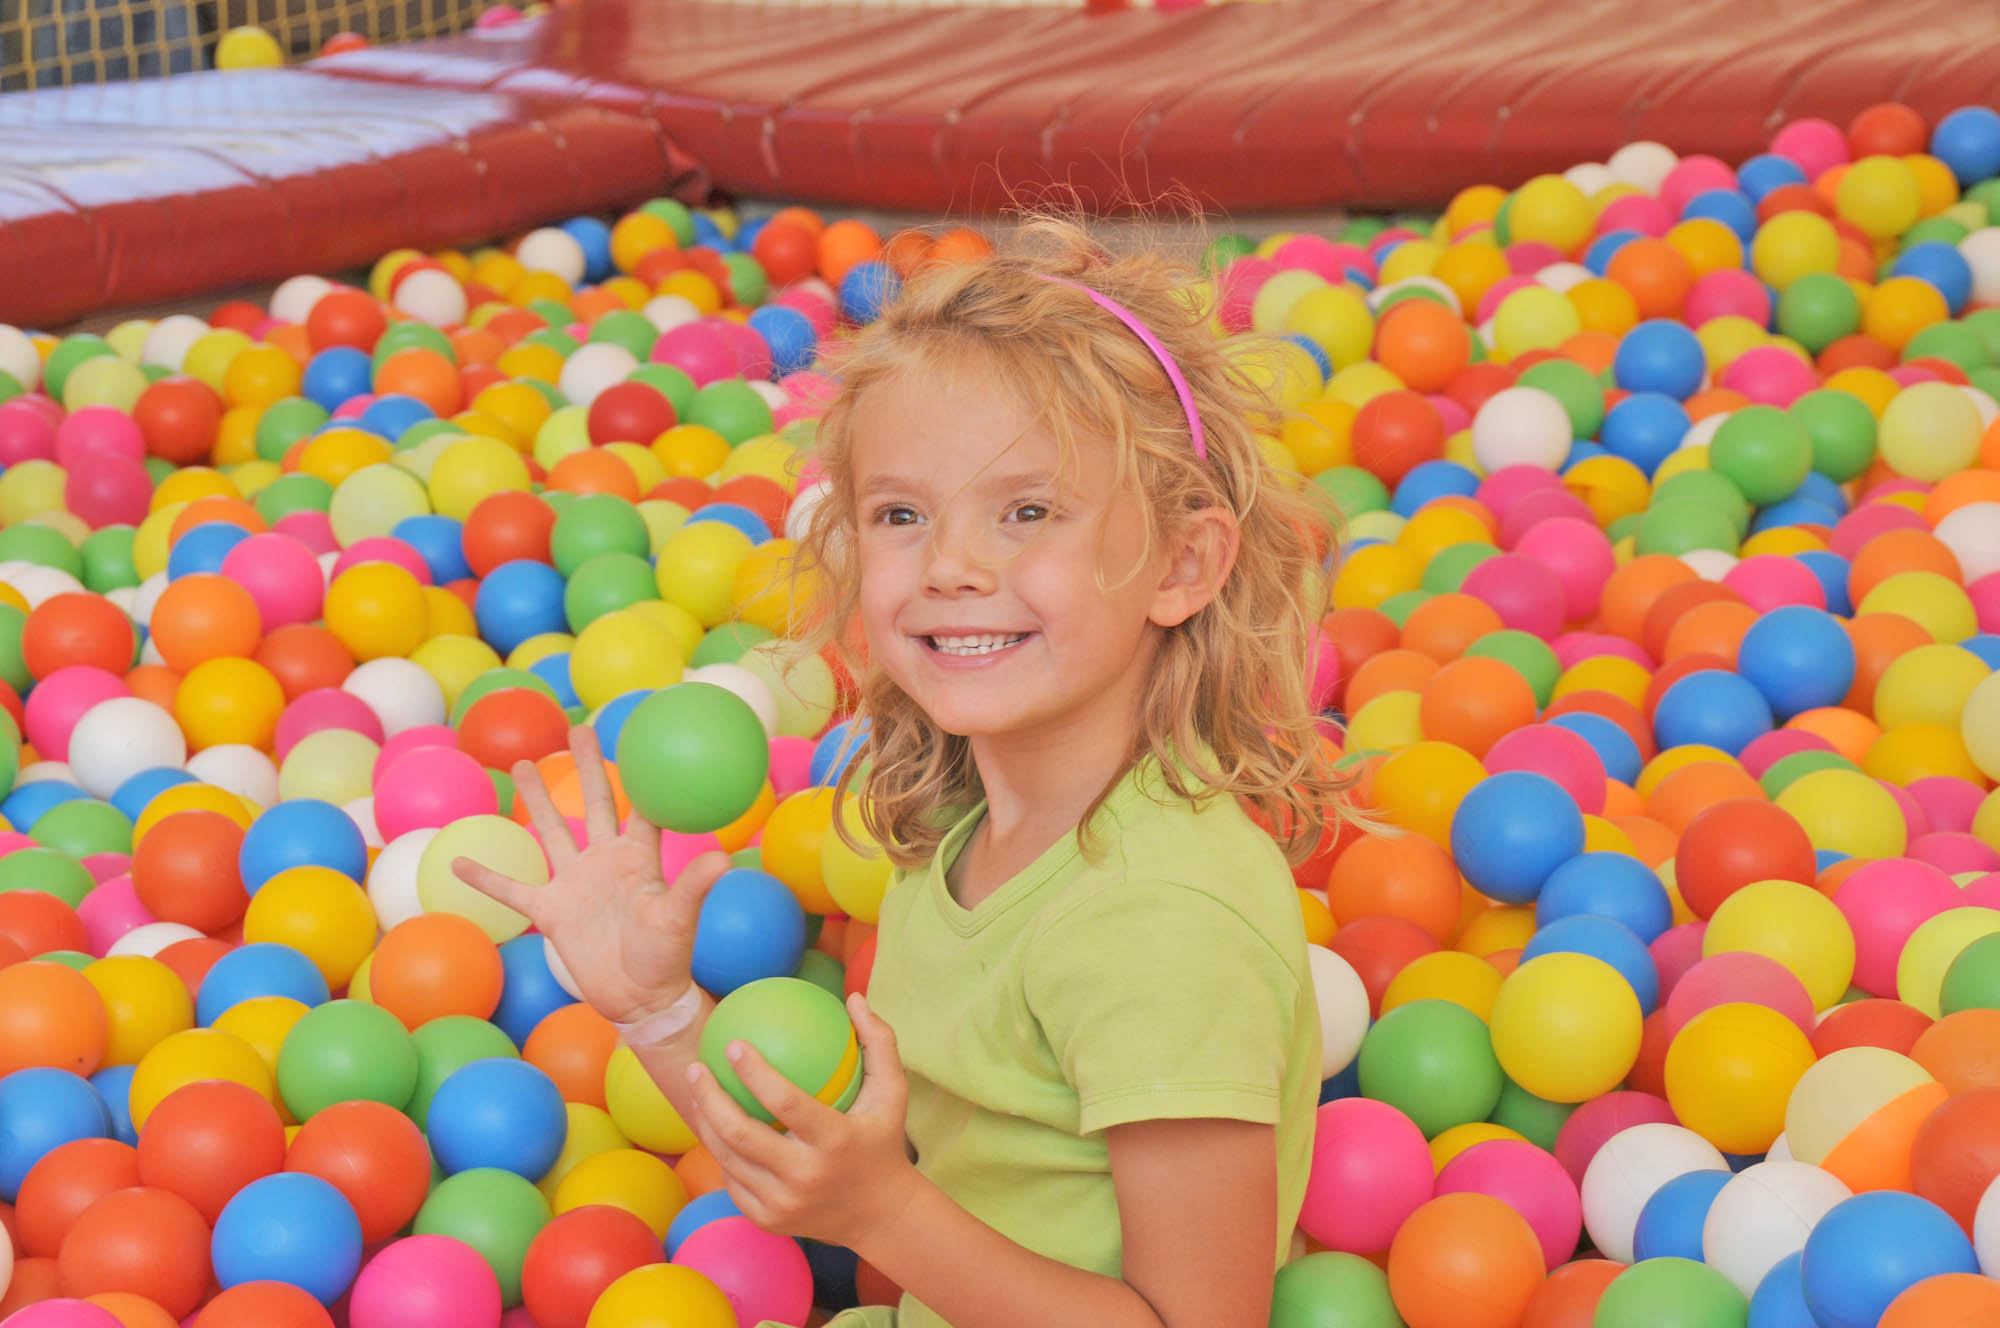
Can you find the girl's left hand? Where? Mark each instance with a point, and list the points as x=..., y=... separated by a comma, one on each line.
x=829, y=1175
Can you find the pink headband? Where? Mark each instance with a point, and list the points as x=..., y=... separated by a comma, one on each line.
x=1160, y=353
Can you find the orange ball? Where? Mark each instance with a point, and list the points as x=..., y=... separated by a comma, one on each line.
x=961, y=244
x=572, y=1045
x=264, y=1305
x=156, y=683
x=1956, y=1154
x=1674, y=603
x=207, y=1140
x=77, y=628
x=219, y=508
x=1568, y=1299
x=1474, y=702
x=185, y=871
x=1405, y=876
x=1391, y=671
x=507, y=526
x=843, y=246
x=513, y=724
x=1423, y=343
x=38, y=923
x=1378, y=947
x=907, y=250
x=132, y=1311
x=346, y=318
x=50, y=1015
x=1395, y=433
x=787, y=250
x=1693, y=789
x=1715, y=628
x=1949, y=1300
x=1464, y=1261
x=1962, y=1051
x=1631, y=591
x=374, y=1155
x=1895, y=551
x=304, y=657
x=148, y=1241
x=434, y=964
x=1880, y=639
x=594, y=470
x=699, y=1172
x=67, y=1180
x=204, y=615
x=179, y=418
x=420, y=372
x=1739, y=843
x=1656, y=274
x=1444, y=625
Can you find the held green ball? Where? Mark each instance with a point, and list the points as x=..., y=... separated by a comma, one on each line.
x=693, y=757
x=801, y=1028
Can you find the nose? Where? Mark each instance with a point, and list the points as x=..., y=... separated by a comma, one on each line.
x=958, y=563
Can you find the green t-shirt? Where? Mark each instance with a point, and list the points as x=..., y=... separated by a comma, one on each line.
x=1167, y=979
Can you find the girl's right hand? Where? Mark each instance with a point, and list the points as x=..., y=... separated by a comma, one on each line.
x=624, y=934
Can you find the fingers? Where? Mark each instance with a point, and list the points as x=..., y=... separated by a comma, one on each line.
x=550, y=826
x=798, y=1111
x=691, y=887
x=600, y=811
x=645, y=834
x=500, y=889
x=884, y=1086
x=739, y=1141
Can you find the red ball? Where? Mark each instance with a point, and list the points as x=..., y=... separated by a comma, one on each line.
x=208, y=1140
x=513, y=724
x=1379, y=947
x=1870, y=1023
x=786, y=251
x=149, y=1242
x=264, y=1305
x=77, y=628
x=576, y=1256
x=1737, y=843
x=1395, y=433
x=1887, y=129
x=374, y=1155
x=1956, y=1154
x=630, y=413
x=505, y=527
x=179, y=418
x=346, y=318
x=239, y=315
x=39, y=922
x=185, y=870
x=64, y=1184
x=766, y=497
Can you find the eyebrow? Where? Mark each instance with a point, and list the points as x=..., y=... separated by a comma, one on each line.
x=1024, y=479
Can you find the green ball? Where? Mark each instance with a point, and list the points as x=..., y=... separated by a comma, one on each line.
x=1942, y=230
x=1986, y=378
x=1671, y=1293
x=1972, y=982
x=446, y=1045
x=1433, y=1061
x=1841, y=429
x=1986, y=322
x=499, y=680
x=1780, y=774
x=553, y=313
x=802, y=1029
x=675, y=214
x=597, y=523
x=10, y=754
x=46, y=869
x=693, y=757
x=606, y=583
x=628, y=328
x=503, y=789
x=731, y=408
x=1818, y=310
x=285, y=423
x=1961, y=345
x=13, y=667
x=158, y=468
x=1332, y=1289
x=671, y=383
x=1361, y=230
x=1765, y=452
x=67, y=355
x=423, y=431
x=1535, y=1119
x=1710, y=489
x=1400, y=606
x=1226, y=249
x=82, y=827
x=107, y=559
x=293, y=493
x=549, y=392
x=1449, y=566
x=10, y=386
x=1526, y=654
x=1681, y=525
x=1987, y=195
x=727, y=643
x=823, y=970
x=1627, y=525
x=413, y=335
x=747, y=280
x=1576, y=387
x=1402, y=293
x=32, y=542
x=555, y=339
x=75, y=959
x=1353, y=490
x=496, y=1212
x=346, y=1051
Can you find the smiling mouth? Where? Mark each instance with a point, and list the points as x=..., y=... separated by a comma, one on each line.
x=965, y=647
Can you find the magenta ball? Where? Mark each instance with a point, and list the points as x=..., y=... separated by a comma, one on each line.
x=1949, y=803
x=1954, y=851
x=1314, y=253
x=1985, y=596
x=1580, y=556
x=63, y=1313
x=1370, y=1169
x=1852, y=532
x=1538, y=507
x=1982, y=893
x=1727, y=292
x=1527, y=257
x=58, y=701
x=1693, y=176
x=1914, y=821
x=103, y=866
x=98, y=430
x=1601, y=1117
x=409, y=740
x=1636, y=212
x=312, y=529
x=752, y=352
x=1770, y=376
x=282, y=575
x=697, y=351
x=1816, y=145
x=1566, y=757
x=1676, y=950
x=791, y=765
x=1241, y=281
x=109, y=911
x=1527, y=1180
x=1524, y=591
x=1509, y=484
x=764, y=1275
x=325, y=708
x=819, y=311
x=426, y=1282
x=26, y=434
x=384, y=549
x=106, y=489
x=678, y=850
x=354, y=407
x=1767, y=749
x=1769, y=581
x=1738, y=977
x=1883, y=902
x=431, y=786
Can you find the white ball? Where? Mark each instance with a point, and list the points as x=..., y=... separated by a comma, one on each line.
x=670, y=311
x=1561, y=277
x=1343, y=1009
x=1972, y=533
x=1780, y=1149
x=40, y=584
x=773, y=395
x=149, y=938
x=814, y=286
x=594, y=368
x=1709, y=564
x=1380, y=295
x=392, y=880
x=327, y=561
x=362, y=812
x=1704, y=431
x=799, y=516
x=116, y=739
x=167, y=344
x=149, y=653
x=1590, y=176
x=399, y=691
x=1644, y=164
x=19, y=359
x=1986, y=1230
x=1981, y=251
x=147, y=596
x=432, y=296
x=295, y=297
x=41, y=770
x=124, y=597
x=1764, y=1213
x=243, y=770
x=558, y=969
x=1628, y=1170
x=1521, y=426
x=552, y=250
x=755, y=692
x=1989, y=409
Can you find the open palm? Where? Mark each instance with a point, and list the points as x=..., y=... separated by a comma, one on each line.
x=625, y=935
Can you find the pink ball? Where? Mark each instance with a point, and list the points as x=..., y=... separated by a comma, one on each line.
x=98, y=429
x=105, y=489
x=1241, y=281
x=1636, y=212
x=696, y=350
x=1455, y=416
x=753, y=355
x=1738, y=976
x=678, y=850
x=497, y=17
x=1325, y=671
x=281, y=574
x=1591, y=1124
x=791, y=764
x=1489, y=303
x=1527, y=1180
x=1580, y=556
x=109, y=911
x=1770, y=375
x=1508, y=485
x=1676, y=950
x=1909, y=375
x=426, y=1282
x=1954, y=852
x=1525, y=592
x=1949, y=803
x=813, y=389
x=1693, y=176
x=792, y=411
x=103, y=866
x=1769, y=581
x=1985, y=596
x=384, y=549
x=409, y=740
x=354, y=407
x=1816, y=145
x=1853, y=531
x=1883, y=902
x=58, y=702
x=1370, y=1169
x=26, y=434
x=63, y=1312
x=1312, y=253
x=1527, y=257
x=312, y=529
x=1982, y=893
x=1767, y=749
x=325, y=708
x=431, y=786
x=764, y=1275
x=1554, y=751
x=818, y=310
x=1914, y=820
x=1539, y=506
x=1728, y=291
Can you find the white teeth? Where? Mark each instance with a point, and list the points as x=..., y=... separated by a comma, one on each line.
x=974, y=645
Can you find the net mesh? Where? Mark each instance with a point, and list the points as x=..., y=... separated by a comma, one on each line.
x=53, y=43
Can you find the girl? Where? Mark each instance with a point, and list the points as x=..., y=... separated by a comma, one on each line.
x=1087, y=611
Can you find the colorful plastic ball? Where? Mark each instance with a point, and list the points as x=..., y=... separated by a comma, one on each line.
x=258, y=970
x=1659, y=356
x=663, y=1292
x=529, y=992
x=495, y=842
x=433, y=965
x=1529, y=1181
x=431, y=787
x=1433, y=1061
x=1669, y=1292
x=700, y=1211
x=206, y=1141
x=1607, y=885
x=291, y=1228
x=1601, y=938
x=1846, y=811
x=145, y=1241
x=500, y=1113
x=1855, y=1113
x=695, y=757
x=45, y=1108
x=1730, y=1070
x=799, y=1028
x=1799, y=658
x=1871, y=1248
x=765, y=1275
x=346, y=1051
x=518, y=600
x=304, y=832
x=495, y=1212
x=1566, y=1026
x=1884, y=902
x=1711, y=708
x=575, y=1257
x=1762, y=1216
x=1793, y=924
x=1370, y=1170
x=372, y=1154
x=1332, y=1288
x=1521, y=426
x=1628, y=1170
x=1464, y=1261
x=248, y=48
x=1511, y=831
x=117, y=739
x=751, y=927
x=1670, y=1225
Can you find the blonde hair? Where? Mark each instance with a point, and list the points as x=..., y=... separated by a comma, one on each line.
x=1226, y=708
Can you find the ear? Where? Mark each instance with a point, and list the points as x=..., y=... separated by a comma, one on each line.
x=1201, y=552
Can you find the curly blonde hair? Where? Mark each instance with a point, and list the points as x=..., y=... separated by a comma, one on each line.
x=1226, y=710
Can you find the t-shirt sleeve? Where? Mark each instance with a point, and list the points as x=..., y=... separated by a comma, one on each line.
x=1162, y=1002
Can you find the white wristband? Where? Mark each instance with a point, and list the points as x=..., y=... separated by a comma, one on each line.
x=662, y=1024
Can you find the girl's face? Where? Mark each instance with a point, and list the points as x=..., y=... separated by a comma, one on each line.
x=1008, y=599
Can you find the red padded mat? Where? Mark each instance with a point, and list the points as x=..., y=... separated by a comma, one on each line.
x=142, y=192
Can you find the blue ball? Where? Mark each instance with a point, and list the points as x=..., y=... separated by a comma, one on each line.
x=594, y=237
x=1432, y=480
x=1660, y=356
x=733, y=514
x=1511, y=831
x=610, y=721
x=114, y=1087
x=41, y=1110
x=1613, y=745
x=1831, y=570
x=28, y=803
x=1798, y=658
x=1581, y=450
x=1869, y=1249
x=747, y=232
x=789, y=334
x=1968, y=141
x=392, y=416
x=262, y=969
x=501, y=1113
x=1729, y=206
x=337, y=374
x=1602, y=938
x=288, y=1227
x=1607, y=885
x=1986, y=646
x=1670, y=1224
x=752, y=926
x=133, y=796
x=706, y=232
x=1826, y=857
x=1345, y=1083
x=1793, y=511
x=835, y=748
x=1605, y=247
x=440, y=542
x=530, y=992
x=517, y=600
x=1722, y=709
x=867, y=289
x=1942, y=266
x=700, y=1211
x=302, y=832
x=1822, y=489
x=203, y=548
x=554, y=670
x=1762, y=174
x=1780, y=1299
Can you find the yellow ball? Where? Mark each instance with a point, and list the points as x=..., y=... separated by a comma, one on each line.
x=1602, y=305
x=694, y=287
x=372, y=500
x=639, y=1109
x=1387, y=723
x=1359, y=384
x=1494, y=929
x=1566, y=1027
x=1796, y=926
x=1610, y=486
x=1979, y=729
x=591, y=1132
x=1847, y=811
x=1605, y=673
x=340, y=452
x=1372, y=574
x=454, y=661
x=332, y=765
x=191, y=798
x=320, y=913
x=260, y=376
x=1534, y=318
x=1730, y=1072
x=264, y=1022
x=145, y=1002
x=211, y=355
x=1275, y=298
x=189, y=1057
x=472, y=470
x=1473, y=205
x=1338, y=319
x=1450, y=1143
x=794, y=835
x=687, y=633
x=447, y=613
x=1707, y=244
x=1550, y=210
x=626, y=1178
x=1911, y=752
x=29, y=489
x=1419, y=788
x=1929, y=431
x=1881, y=195
x=229, y=700
x=802, y=685
x=1724, y=339
x=774, y=588
x=691, y=450
x=1934, y=602
x=856, y=879
x=622, y=652
x=1793, y=245
x=1319, y=435
x=638, y=234
x=662, y=1295
x=493, y=841
x=1899, y=308
x=1930, y=950
x=697, y=569
x=105, y=381
x=1445, y=975
x=377, y=610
